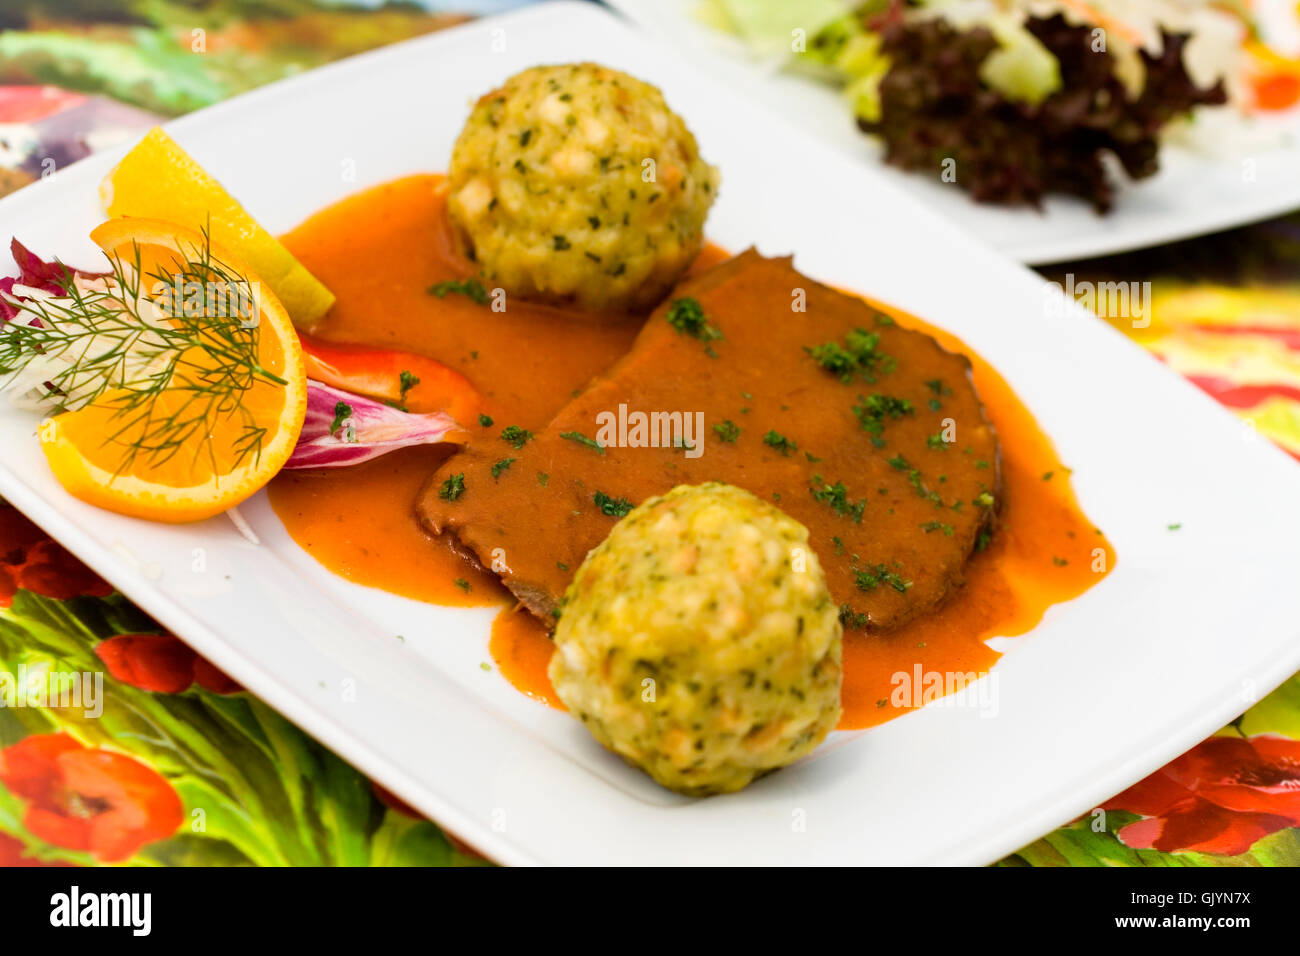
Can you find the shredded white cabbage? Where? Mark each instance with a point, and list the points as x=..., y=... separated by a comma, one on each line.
x=73, y=336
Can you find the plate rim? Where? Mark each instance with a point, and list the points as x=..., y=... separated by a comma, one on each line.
x=1030, y=251
x=300, y=710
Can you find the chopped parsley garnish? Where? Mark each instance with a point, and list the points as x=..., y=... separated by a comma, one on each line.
x=870, y=578
x=543, y=478
x=462, y=584
x=779, y=442
x=937, y=526
x=515, y=437
x=582, y=439
x=501, y=466
x=936, y=385
x=727, y=430
x=936, y=441
x=858, y=355
x=471, y=288
x=614, y=507
x=485, y=421
x=687, y=316
x=982, y=541
x=342, y=412
x=832, y=357
x=836, y=497
x=452, y=488
x=406, y=382
x=1047, y=475
x=872, y=412
x=851, y=618
x=899, y=463
x=1176, y=526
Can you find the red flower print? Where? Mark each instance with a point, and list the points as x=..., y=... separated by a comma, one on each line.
x=394, y=802
x=209, y=677
x=30, y=560
x=13, y=853
x=1219, y=797
x=89, y=799
x=162, y=663
x=50, y=570
x=17, y=534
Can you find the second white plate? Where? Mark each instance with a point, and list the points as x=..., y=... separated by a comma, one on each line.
x=1193, y=194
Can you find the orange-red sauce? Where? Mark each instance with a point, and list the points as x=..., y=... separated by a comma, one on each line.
x=380, y=250
x=1044, y=551
x=357, y=522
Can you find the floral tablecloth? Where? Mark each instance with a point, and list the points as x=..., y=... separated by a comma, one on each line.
x=140, y=752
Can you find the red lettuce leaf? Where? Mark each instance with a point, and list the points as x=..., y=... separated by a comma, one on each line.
x=934, y=106
x=38, y=273
x=344, y=429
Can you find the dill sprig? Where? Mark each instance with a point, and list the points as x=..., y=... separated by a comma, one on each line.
x=171, y=370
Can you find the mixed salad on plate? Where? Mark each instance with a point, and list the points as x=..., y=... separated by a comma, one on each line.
x=1016, y=99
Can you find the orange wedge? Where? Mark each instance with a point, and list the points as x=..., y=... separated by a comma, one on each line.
x=112, y=455
x=159, y=179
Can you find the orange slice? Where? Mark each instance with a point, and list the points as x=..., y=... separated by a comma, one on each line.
x=128, y=459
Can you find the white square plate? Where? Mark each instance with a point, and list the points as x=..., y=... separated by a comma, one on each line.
x=1250, y=174
x=1176, y=641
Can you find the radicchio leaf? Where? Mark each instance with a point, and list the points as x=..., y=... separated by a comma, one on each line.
x=36, y=273
x=934, y=107
x=345, y=429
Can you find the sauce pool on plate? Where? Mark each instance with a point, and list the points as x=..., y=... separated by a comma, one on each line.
x=382, y=250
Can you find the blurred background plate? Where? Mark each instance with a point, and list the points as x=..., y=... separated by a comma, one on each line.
x=1255, y=177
